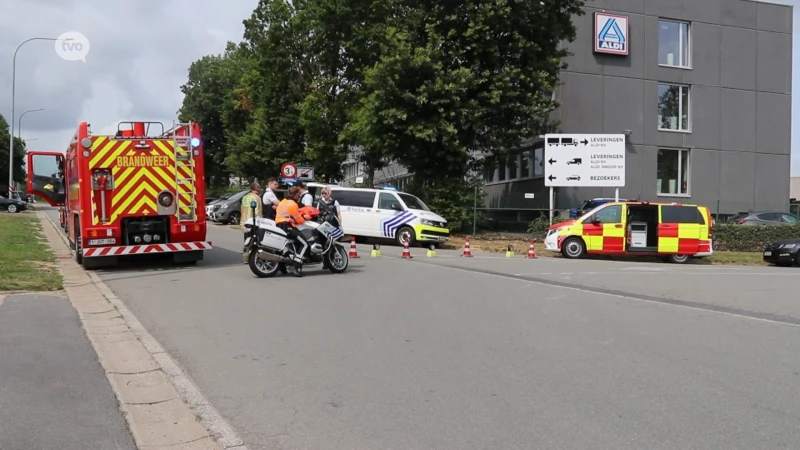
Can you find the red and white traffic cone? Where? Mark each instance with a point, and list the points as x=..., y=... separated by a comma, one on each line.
x=353, y=249
x=467, y=249
x=531, y=251
x=406, y=250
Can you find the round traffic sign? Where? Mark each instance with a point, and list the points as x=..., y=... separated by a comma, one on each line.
x=289, y=170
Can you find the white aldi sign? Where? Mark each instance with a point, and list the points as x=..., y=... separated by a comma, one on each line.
x=611, y=34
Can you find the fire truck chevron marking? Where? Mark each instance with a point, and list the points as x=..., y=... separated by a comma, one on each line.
x=143, y=207
x=144, y=192
x=151, y=248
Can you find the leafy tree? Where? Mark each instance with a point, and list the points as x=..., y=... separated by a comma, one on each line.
x=19, y=157
x=268, y=94
x=209, y=99
x=459, y=77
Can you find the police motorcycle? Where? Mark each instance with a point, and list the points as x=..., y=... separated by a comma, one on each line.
x=271, y=250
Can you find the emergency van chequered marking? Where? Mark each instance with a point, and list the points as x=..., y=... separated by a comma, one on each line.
x=604, y=238
x=391, y=224
x=139, y=176
x=147, y=248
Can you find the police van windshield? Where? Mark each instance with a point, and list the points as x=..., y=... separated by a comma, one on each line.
x=412, y=202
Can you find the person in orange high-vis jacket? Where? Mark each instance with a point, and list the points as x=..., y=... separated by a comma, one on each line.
x=287, y=217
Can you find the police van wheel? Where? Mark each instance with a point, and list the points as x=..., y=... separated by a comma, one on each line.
x=406, y=233
x=678, y=259
x=573, y=248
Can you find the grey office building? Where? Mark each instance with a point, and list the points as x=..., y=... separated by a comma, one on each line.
x=702, y=88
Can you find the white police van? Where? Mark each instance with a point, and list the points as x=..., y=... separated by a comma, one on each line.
x=385, y=214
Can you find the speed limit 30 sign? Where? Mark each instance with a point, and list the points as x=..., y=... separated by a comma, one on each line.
x=289, y=170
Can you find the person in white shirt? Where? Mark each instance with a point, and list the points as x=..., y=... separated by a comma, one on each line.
x=269, y=198
x=306, y=199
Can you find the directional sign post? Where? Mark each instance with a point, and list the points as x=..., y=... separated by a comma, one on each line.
x=305, y=173
x=584, y=160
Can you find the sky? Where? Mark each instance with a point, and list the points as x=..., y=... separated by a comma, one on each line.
x=139, y=57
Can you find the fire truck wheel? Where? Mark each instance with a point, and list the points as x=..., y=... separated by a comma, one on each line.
x=78, y=246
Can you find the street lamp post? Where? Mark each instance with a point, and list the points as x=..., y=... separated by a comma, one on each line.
x=19, y=131
x=13, y=118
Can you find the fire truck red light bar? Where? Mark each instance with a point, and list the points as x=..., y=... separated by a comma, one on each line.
x=146, y=249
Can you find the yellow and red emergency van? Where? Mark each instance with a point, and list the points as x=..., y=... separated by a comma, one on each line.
x=674, y=231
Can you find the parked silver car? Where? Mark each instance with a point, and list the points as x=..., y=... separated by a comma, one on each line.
x=765, y=218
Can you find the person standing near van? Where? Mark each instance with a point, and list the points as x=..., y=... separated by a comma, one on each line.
x=306, y=199
x=329, y=204
x=270, y=200
x=247, y=211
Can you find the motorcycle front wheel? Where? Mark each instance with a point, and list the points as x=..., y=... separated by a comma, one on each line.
x=337, y=259
x=261, y=268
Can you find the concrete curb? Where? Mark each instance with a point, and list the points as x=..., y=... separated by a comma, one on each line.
x=163, y=407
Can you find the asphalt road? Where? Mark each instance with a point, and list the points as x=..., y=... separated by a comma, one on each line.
x=488, y=352
x=54, y=394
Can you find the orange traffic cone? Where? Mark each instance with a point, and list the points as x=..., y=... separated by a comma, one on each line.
x=353, y=249
x=406, y=251
x=531, y=251
x=467, y=249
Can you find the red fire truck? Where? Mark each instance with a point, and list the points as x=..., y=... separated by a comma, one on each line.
x=128, y=194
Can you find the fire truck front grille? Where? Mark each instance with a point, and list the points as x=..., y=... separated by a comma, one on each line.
x=145, y=230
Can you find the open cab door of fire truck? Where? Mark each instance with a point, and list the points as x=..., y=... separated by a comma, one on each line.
x=46, y=177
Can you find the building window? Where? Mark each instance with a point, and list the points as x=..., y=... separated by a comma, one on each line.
x=673, y=172
x=512, y=167
x=673, y=43
x=673, y=107
x=538, y=162
x=501, y=168
x=488, y=169
x=525, y=164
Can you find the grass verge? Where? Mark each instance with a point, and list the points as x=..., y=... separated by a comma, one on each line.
x=521, y=248
x=26, y=261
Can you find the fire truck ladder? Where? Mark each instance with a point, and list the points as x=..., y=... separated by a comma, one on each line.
x=184, y=160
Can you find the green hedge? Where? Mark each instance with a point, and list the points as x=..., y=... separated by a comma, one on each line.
x=751, y=238
x=727, y=237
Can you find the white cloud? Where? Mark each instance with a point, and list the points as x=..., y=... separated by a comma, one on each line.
x=140, y=54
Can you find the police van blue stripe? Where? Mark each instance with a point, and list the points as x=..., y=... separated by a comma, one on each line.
x=393, y=223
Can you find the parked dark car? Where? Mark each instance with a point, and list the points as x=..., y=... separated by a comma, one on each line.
x=229, y=211
x=782, y=253
x=765, y=218
x=13, y=205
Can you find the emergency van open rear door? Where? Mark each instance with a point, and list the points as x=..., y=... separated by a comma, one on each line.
x=46, y=177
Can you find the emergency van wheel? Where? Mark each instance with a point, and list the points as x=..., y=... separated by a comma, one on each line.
x=678, y=259
x=405, y=233
x=573, y=248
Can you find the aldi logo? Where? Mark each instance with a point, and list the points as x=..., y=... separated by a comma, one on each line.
x=610, y=34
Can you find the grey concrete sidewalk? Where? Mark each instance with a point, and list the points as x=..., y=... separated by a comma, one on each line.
x=53, y=392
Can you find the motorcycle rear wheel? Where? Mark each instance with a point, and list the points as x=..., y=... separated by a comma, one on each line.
x=261, y=268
